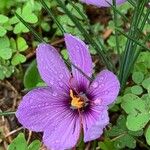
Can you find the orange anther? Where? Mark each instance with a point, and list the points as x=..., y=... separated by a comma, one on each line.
x=76, y=102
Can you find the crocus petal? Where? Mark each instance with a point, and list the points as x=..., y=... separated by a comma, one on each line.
x=37, y=106
x=52, y=68
x=79, y=56
x=63, y=133
x=94, y=121
x=105, y=88
x=102, y=3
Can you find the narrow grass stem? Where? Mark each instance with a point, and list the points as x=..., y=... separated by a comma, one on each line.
x=116, y=32
x=7, y=113
x=131, y=46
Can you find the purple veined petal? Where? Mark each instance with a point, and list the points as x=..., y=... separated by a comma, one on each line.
x=52, y=68
x=38, y=106
x=79, y=55
x=105, y=88
x=102, y=3
x=63, y=133
x=94, y=122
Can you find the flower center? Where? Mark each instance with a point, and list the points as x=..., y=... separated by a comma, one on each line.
x=77, y=102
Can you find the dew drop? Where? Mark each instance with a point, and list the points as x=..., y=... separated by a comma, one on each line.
x=77, y=48
x=102, y=117
x=61, y=76
x=101, y=79
x=106, y=92
x=102, y=85
x=95, y=85
x=54, y=94
x=91, y=137
x=60, y=84
x=57, y=141
x=98, y=102
x=51, y=82
x=46, y=104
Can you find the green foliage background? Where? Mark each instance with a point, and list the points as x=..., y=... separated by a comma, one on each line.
x=132, y=125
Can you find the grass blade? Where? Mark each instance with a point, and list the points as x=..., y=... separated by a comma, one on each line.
x=7, y=113
x=134, y=40
x=52, y=16
x=35, y=34
x=115, y=18
x=131, y=47
x=78, y=10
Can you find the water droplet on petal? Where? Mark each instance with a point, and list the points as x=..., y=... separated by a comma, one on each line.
x=77, y=49
x=61, y=76
x=95, y=85
x=54, y=94
x=60, y=84
x=46, y=104
x=101, y=79
x=57, y=141
x=103, y=117
x=98, y=101
x=106, y=92
x=102, y=85
x=51, y=82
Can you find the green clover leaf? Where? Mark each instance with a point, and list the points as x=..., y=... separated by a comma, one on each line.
x=27, y=14
x=21, y=44
x=3, y=31
x=17, y=59
x=3, y=19
x=20, y=143
x=147, y=135
x=137, y=77
x=5, y=50
x=138, y=115
x=146, y=83
x=123, y=137
x=137, y=90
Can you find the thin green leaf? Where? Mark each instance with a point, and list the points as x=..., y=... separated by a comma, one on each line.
x=7, y=113
x=78, y=10
x=128, y=57
x=35, y=34
x=133, y=3
x=52, y=16
x=118, y=12
x=134, y=40
x=116, y=26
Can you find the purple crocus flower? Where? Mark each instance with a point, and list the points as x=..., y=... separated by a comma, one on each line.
x=70, y=104
x=102, y=3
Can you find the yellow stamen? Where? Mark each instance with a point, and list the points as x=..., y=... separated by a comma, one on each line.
x=76, y=102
